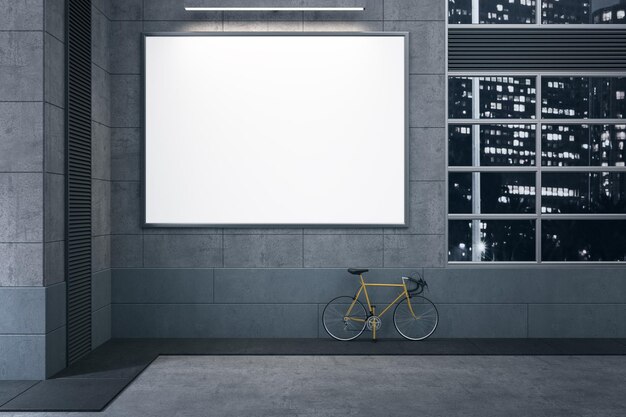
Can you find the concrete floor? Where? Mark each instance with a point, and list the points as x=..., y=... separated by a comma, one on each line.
x=373, y=386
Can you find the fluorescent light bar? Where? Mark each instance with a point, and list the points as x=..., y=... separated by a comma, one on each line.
x=274, y=9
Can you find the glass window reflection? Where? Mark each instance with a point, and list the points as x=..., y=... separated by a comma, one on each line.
x=583, y=240
x=496, y=241
x=583, y=145
x=583, y=192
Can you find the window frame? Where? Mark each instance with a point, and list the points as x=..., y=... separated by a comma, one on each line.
x=537, y=168
x=538, y=20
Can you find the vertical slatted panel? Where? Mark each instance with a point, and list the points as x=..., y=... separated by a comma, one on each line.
x=78, y=160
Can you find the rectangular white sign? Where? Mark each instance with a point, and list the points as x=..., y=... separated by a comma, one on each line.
x=275, y=130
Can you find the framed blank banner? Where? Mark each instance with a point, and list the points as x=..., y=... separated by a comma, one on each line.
x=277, y=129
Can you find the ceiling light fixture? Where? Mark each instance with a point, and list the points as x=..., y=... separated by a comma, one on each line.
x=275, y=9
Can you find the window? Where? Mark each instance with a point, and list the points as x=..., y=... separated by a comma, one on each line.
x=537, y=168
x=526, y=11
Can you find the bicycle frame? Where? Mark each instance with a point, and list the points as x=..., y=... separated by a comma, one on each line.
x=370, y=308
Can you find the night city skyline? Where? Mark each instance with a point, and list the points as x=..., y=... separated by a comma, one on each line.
x=575, y=144
x=552, y=11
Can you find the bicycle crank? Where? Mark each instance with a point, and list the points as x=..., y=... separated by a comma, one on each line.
x=374, y=323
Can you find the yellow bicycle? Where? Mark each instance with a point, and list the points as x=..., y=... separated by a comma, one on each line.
x=415, y=317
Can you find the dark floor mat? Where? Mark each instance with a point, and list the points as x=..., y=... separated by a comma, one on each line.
x=68, y=395
x=11, y=389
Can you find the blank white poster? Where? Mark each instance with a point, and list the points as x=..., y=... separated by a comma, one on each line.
x=275, y=130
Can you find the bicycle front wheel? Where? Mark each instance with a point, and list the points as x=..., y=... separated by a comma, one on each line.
x=342, y=322
x=416, y=321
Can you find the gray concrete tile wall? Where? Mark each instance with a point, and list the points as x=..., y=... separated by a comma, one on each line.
x=32, y=139
x=427, y=40
x=101, y=289
x=101, y=207
x=126, y=251
x=54, y=203
x=188, y=231
x=101, y=253
x=54, y=71
x=126, y=154
x=21, y=207
x=564, y=285
x=345, y=26
x=21, y=15
x=100, y=326
x=54, y=139
x=100, y=38
x=163, y=10
x=54, y=262
x=427, y=214
x=482, y=320
x=422, y=251
x=187, y=251
x=467, y=306
x=101, y=173
x=214, y=320
x=183, y=26
x=163, y=278
x=55, y=345
x=373, y=11
x=248, y=251
x=125, y=9
x=100, y=95
x=22, y=264
x=263, y=251
x=22, y=310
x=414, y=10
x=427, y=102
x=126, y=109
x=100, y=151
x=21, y=144
x=577, y=320
x=125, y=207
x=343, y=250
x=54, y=18
x=55, y=306
x=166, y=286
x=126, y=57
x=260, y=26
x=427, y=154
x=25, y=357
x=103, y=6
x=21, y=75
x=303, y=286
x=100, y=307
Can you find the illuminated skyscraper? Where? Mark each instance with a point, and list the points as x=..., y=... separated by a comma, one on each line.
x=615, y=14
x=566, y=11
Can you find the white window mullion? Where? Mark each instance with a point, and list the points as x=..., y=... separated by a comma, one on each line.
x=538, y=17
x=475, y=17
x=538, y=147
x=476, y=255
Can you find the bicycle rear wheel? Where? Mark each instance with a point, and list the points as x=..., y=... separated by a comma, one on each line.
x=339, y=324
x=418, y=321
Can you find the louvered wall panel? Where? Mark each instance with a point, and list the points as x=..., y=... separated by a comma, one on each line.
x=78, y=253
x=489, y=48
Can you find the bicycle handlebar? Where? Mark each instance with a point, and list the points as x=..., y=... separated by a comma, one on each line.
x=420, y=285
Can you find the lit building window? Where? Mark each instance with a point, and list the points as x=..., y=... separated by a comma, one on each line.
x=538, y=145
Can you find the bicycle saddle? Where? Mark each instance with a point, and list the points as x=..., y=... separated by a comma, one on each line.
x=356, y=271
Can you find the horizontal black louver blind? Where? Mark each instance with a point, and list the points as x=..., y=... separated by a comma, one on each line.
x=488, y=48
x=78, y=179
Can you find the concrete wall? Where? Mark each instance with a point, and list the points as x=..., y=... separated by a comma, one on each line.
x=32, y=166
x=101, y=172
x=273, y=282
